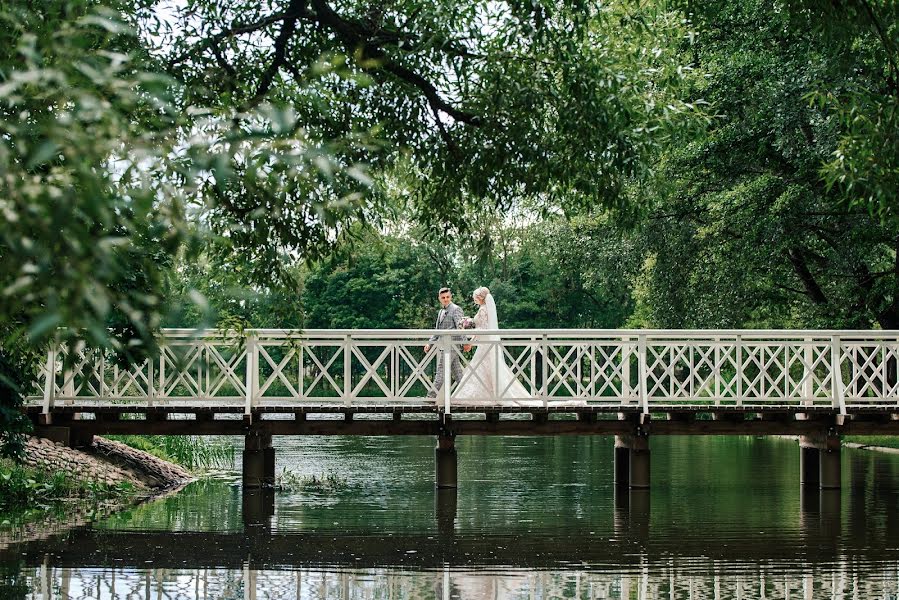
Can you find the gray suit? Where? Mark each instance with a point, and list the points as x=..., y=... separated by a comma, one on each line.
x=447, y=318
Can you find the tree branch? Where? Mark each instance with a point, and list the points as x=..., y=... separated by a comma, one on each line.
x=226, y=67
x=357, y=38
x=789, y=289
x=430, y=92
x=884, y=40
x=231, y=32
x=450, y=143
x=288, y=27
x=796, y=257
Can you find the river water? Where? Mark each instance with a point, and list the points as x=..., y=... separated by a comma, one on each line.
x=532, y=518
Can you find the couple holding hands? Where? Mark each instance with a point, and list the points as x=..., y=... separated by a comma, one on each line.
x=484, y=377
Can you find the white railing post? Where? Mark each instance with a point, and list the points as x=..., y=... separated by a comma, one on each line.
x=544, y=393
x=347, y=371
x=447, y=350
x=739, y=387
x=808, y=385
x=578, y=370
x=301, y=372
x=50, y=381
x=717, y=372
x=497, y=350
x=839, y=392
x=534, y=347
x=160, y=390
x=251, y=378
x=394, y=370
x=102, y=373
x=151, y=389
x=625, y=370
x=644, y=376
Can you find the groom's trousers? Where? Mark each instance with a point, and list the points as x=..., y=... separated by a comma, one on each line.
x=455, y=372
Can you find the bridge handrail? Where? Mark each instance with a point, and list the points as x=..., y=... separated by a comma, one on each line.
x=600, y=333
x=637, y=368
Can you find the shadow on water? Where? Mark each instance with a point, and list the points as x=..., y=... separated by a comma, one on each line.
x=532, y=518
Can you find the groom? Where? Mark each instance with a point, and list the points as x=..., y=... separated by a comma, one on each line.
x=449, y=317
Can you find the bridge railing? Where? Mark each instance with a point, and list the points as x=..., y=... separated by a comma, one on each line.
x=633, y=369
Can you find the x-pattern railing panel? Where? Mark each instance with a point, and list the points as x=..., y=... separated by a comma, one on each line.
x=870, y=373
x=796, y=369
x=324, y=370
x=607, y=374
x=212, y=368
x=519, y=358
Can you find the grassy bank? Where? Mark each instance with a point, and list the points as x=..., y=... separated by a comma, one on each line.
x=27, y=492
x=191, y=452
x=885, y=441
x=24, y=489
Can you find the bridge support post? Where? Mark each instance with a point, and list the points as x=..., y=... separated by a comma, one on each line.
x=631, y=513
x=447, y=465
x=258, y=460
x=819, y=461
x=80, y=439
x=632, y=461
x=258, y=507
x=445, y=504
x=622, y=464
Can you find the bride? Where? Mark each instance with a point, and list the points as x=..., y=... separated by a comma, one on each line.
x=484, y=371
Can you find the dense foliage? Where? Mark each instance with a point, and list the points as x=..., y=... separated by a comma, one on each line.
x=763, y=221
x=306, y=163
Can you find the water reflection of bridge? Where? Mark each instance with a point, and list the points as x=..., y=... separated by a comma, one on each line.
x=822, y=555
x=841, y=581
x=818, y=537
x=628, y=383
x=813, y=561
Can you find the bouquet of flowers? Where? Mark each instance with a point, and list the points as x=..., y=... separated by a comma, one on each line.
x=466, y=323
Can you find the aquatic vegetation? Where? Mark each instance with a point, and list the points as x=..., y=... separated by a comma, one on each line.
x=884, y=441
x=290, y=481
x=23, y=487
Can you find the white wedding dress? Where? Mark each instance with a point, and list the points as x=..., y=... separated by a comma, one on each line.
x=485, y=378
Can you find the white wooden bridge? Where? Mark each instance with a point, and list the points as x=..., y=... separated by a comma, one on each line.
x=624, y=382
x=843, y=371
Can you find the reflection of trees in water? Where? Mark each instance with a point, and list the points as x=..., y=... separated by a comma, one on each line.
x=204, y=505
x=714, y=581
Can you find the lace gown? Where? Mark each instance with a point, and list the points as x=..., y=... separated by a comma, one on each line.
x=479, y=379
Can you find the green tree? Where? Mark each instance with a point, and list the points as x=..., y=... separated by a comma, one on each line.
x=211, y=289
x=557, y=273
x=747, y=231
x=126, y=129
x=82, y=241
x=472, y=104
x=387, y=282
x=100, y=163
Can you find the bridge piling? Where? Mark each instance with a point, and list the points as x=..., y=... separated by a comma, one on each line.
x=258, y=507
x=819, y=461
x=445, y=505
x=631, y=513
x=446, y=460
x=632, y=461
x=258, y=460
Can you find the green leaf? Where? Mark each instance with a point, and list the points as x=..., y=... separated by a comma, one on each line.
x=41, y=326
x=42, y=153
